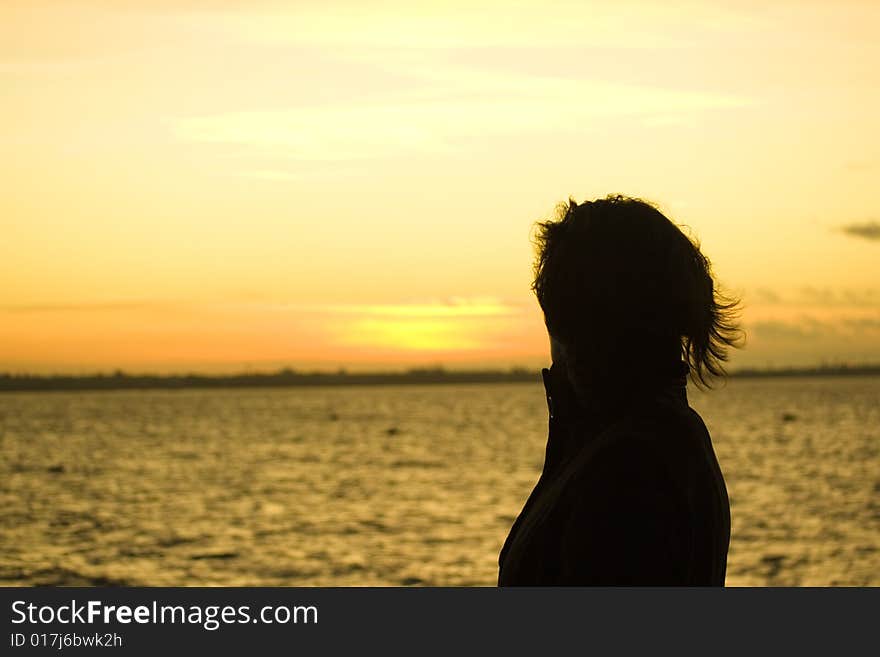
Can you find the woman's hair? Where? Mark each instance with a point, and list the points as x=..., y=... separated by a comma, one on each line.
x=622, y=287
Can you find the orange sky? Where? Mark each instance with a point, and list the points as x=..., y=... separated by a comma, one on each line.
x=219, y=185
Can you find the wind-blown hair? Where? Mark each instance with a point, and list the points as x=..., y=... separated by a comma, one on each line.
x=624, y=290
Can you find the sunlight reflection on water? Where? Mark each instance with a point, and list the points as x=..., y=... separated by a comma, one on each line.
x=395, y=484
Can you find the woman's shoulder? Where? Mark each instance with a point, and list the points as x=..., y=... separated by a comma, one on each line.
x=658, y=442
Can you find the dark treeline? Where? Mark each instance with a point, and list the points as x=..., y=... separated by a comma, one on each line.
x=287, y=377
x=121, y=381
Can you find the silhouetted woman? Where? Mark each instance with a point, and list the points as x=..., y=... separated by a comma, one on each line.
x=631, y=492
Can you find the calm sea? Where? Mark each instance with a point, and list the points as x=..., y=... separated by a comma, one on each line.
x=412, y=485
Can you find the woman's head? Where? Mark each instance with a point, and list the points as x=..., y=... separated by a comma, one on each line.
x=622, y=287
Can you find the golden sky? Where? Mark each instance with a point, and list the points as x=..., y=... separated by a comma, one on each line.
x=243, y=184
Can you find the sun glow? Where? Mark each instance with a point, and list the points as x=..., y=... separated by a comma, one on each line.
x=415, y=335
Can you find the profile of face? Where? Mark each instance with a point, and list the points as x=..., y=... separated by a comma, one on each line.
x=557, y=351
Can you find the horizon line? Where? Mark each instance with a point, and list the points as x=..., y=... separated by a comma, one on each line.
x=288, y=377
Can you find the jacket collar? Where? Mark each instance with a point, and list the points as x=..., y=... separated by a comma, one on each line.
x=578, y=414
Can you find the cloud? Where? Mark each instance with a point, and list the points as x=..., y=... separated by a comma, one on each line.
x=452, y=307
x=489, y=23
x=864, y=323
x=98, y=306
x=809, y=340
x=861, y=165
x=271, y=174
x=868, y=230
x=800, y=329
x=810, y=297
x=766, y=295
x=443, y=113
x=456, y=307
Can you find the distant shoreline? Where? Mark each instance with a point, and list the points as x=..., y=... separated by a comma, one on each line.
x=290, y=378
